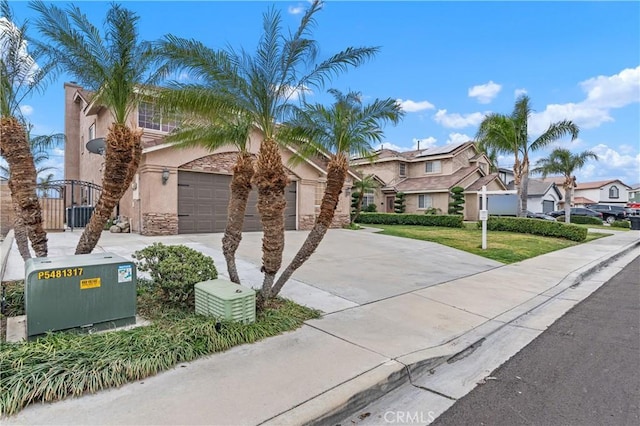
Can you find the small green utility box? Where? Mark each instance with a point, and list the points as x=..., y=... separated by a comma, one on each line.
x=88, y=291
x=226, y=300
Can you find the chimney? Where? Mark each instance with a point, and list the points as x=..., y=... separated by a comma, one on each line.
x=418, y=144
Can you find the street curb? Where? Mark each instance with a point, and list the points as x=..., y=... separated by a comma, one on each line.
x=349, y=397
x=5, y=248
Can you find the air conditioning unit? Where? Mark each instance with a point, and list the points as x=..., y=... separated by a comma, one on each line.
x=226, y=300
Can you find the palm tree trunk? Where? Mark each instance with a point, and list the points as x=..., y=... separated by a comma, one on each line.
x=240, y=189
x=358, y=207
x=271, y=180
x=14, y=147
x=524, y=193
x=20, y=233
x=336, y=175
x=567, y=202
x=120, y=167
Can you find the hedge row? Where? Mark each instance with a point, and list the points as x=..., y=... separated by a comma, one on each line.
x=536, y=227
x=583, y=220
x=621, y=224
x=450, y=221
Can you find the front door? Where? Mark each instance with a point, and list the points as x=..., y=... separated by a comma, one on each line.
x=390, y=204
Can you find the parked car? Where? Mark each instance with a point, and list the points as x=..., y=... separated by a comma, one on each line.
x=544, y=216
x=632, y=209
x=577, y=211
x=610, y=213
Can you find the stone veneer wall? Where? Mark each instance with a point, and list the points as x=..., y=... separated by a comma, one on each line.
x=159, y=224
x=339, y=220
x=215, y=163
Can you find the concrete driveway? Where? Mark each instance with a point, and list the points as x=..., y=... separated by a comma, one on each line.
x=349, y=268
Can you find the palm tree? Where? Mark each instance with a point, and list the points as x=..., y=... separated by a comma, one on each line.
x=345, y=128
x=564, y=162
x=263, y=85
x=199, y=127
x=367, y=183
x=38, y=146
x=509, y=134
x=114, y=66
x=20, y=75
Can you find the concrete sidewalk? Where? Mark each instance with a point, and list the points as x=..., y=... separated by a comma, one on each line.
x=399, y=322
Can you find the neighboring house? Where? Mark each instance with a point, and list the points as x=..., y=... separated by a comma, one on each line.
x=542, y=196
x=612, y=191
x=506, y=175
x=185, y=190
x=426, y=176
x=634, y=193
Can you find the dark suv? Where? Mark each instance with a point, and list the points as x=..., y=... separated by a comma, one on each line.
x=610, y=213
x=576, y=211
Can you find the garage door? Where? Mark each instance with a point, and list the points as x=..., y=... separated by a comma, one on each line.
x=548, y=206
x=203, y=200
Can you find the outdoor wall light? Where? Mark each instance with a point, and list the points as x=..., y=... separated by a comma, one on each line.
x=165, y=176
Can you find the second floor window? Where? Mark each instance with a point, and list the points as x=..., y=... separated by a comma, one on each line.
x=614, y=192
x=433, y=166
x=150, y=118
x=92, y=132
x=403, y=170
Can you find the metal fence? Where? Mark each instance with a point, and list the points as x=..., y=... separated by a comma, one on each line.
x=67, y=204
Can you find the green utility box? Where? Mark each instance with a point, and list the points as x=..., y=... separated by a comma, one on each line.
x=226, y=300
x=88, y=291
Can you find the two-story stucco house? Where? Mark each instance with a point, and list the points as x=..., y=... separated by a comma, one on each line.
x=426, y=176
x=184, y=190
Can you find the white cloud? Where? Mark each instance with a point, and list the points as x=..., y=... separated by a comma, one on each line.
x=424, y=142
x=295, y=94
x=458, y=121
x=611, y=164
x=414, y=106
x=485, y=93
x=613, y=159
x=614, y=91
x=458, y=138
x=26, y=110
x=604, y=93
x=519, y=92
x=296, y=10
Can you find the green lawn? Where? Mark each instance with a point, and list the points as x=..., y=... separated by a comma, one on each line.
x=505, y=247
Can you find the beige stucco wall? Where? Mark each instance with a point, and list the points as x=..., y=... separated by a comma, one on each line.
x=388, y=171
x=440, y=200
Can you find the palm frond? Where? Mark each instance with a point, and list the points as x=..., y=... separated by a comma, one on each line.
x=23, y=70
x=112, y=64
x=555, y=132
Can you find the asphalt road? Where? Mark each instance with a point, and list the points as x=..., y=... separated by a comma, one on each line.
x=584, y=370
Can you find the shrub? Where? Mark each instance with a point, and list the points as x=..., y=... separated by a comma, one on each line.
x=583, y=220
x=449, y=221
x=456, y=206
x=370, y=208
x=433, y=210
x=175, y=270
x=399, y=204
x=536, y=227
x=355, y=196
x=621, y=224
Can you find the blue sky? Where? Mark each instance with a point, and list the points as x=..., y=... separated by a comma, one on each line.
x=448, y=62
